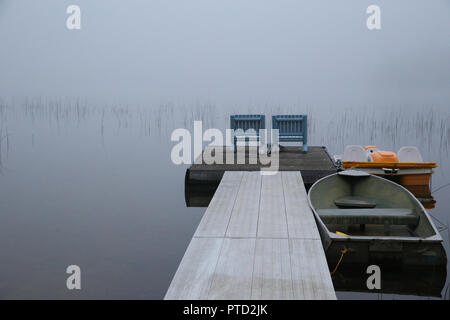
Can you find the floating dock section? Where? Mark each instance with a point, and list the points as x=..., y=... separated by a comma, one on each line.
x=202, y=179
x=257, y=240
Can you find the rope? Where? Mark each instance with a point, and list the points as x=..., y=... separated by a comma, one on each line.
x=343, y=251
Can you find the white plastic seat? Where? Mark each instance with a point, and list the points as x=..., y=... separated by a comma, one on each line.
x=354, y=153
x=409, y=154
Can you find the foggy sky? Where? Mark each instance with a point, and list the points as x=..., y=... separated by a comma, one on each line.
x=227, y=51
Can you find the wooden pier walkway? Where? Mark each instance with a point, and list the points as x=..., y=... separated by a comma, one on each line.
x=257, y=240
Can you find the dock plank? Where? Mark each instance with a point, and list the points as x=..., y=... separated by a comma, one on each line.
x=244, y=217
x=307, y=261
x=272, y=214
x=300, y=218
x=320, y=275
x=193, y=278
x=234, y=271
x=215, y=220
x=272, y=270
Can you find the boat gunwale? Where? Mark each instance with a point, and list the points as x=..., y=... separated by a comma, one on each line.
x=397, y=165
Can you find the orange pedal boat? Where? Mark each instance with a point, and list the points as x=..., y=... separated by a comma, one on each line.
x=405, y=167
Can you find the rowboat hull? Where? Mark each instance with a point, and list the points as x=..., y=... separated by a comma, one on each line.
x=390, y=252
x=407, y=246
x=425, y=281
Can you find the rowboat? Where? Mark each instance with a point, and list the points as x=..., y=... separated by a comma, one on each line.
x=369, y=218
x=405, y=167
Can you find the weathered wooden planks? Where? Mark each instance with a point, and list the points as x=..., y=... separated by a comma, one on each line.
x=272, y=274
x=272, y=221
x=194, y=275
x=244, y=217
x=232, y=278
x=300, y=219
x=310, y=275
x=215, y=220
x=257, y=240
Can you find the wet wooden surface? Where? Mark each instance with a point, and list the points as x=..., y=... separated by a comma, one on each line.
x=313, y=165
x=257, y=240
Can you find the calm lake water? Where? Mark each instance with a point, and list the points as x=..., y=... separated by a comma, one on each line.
x=94, y=186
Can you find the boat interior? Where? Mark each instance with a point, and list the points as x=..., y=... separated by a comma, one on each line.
x=357, y=204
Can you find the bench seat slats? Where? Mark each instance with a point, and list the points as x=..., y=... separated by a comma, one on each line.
x=393, y=216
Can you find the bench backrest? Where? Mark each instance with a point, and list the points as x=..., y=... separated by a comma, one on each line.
x=248, y=121
x=291, y=127
x=247, y=126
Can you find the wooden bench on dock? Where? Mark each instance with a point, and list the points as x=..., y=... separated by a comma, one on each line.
x=257, y=240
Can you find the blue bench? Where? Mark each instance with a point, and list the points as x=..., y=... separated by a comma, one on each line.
x=292, y=128
x=246, y=127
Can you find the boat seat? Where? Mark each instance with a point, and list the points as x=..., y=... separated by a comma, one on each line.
x=386, y=216
x=355, y=153
x=409, y=154
x=354, y=202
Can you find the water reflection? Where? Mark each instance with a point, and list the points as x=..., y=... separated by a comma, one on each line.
x=427, y=282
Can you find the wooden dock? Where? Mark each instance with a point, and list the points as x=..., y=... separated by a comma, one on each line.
x=257, y=240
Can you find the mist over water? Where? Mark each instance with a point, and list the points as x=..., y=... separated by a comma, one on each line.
x=284, y=52
x=86, y=118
